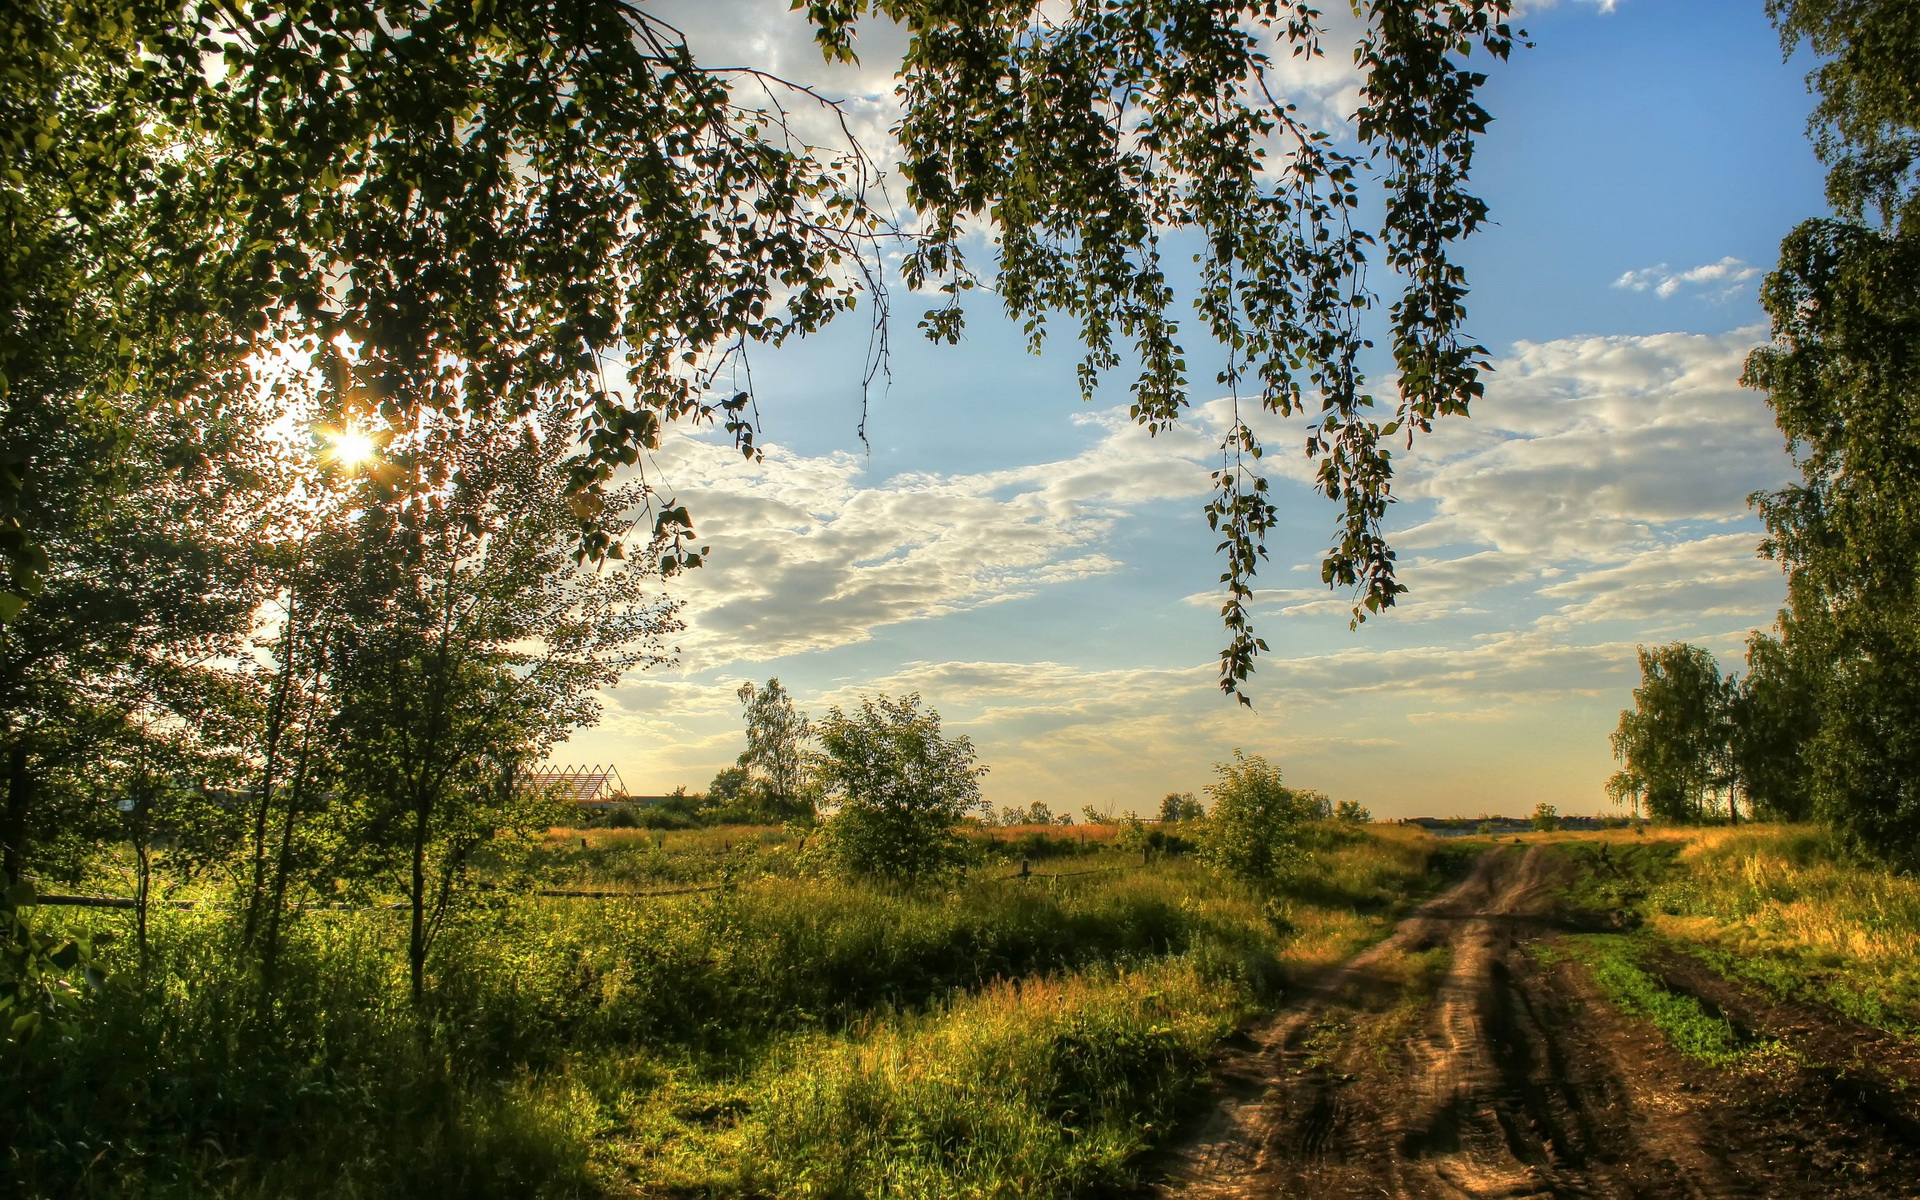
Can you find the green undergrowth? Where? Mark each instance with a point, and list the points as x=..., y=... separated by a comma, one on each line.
x=788, y=1036
x=1784, y=908
x=1616, y=876
x=1704, y=1036
x=1789, y=910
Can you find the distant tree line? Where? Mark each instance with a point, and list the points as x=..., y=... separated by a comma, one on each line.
x=1696, y=745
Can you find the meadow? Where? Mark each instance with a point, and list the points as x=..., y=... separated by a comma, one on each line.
x=779, y=1033
x=1785, y=908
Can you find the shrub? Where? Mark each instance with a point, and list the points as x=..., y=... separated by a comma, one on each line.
x=1253, y=830
x=901, y=787
x=1545, y=817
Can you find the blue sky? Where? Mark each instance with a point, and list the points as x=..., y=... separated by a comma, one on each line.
x=1041, y=573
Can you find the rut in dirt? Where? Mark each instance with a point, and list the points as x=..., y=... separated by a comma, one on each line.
x=1447, y=1061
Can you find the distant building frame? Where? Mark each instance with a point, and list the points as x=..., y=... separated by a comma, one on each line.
x=589, y=785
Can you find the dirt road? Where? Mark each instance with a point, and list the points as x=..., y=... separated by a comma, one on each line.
x=1452, y=1060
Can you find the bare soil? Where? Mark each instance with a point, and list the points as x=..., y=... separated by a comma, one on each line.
x=1451, y=1061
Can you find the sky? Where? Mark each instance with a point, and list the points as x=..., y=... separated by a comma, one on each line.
x=1040, y=571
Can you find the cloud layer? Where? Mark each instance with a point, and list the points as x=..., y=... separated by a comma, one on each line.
x=1595, y=500
x=1715, y=281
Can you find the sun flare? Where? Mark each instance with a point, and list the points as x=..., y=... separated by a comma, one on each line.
x=351, y=448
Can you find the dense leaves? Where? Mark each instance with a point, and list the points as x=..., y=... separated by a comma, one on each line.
x=556, y=203
x=1252, y=830
x=1843, y=376
x=900, y=786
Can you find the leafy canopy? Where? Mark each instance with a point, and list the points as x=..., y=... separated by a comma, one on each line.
x=1252, y=830
x=556, y=203
x=1842, y=373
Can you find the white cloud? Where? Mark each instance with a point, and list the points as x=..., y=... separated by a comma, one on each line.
x=1713, y=577
x=810, y=554
x=1592, y=449
x=1716, y=281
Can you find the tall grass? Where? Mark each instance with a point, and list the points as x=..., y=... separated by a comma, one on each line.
x=1785, y=906
x=786, y=1037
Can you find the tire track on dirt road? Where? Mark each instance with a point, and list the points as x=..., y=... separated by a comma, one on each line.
x=1505, y=1077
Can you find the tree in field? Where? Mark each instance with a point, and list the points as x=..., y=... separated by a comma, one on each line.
x=521, y=197
x=899, y=786
x=1669, y=742
x=775, y=757
x=152, y=528
x=1773, y=720
x=1352, y=811
x=1180, y=806
x=459, y=641
x=1252, y=829
x=1546, y=818
x=1842, y=374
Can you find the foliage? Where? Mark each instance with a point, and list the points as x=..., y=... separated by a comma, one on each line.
x=1842, y=374
x=578, y=1048
x=448, y=643
x=1181, y=806
x=1671, y=741
x=1138, y=117
x=1253, y=829
x=1695, y=1032
x=1794, y=911
x=900, y=786
x=1352, y=811
x=1546, y=818
x=37, y=971
x=777, y=733
x=1775, y=717
x=499, y=200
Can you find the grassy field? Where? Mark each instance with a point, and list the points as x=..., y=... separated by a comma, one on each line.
x=1783, y=907
x=781, y=1035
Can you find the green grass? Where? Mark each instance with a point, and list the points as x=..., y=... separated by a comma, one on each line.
x=1692, y=1030
x=789, y=1036
x=1782, y=907
x=1787, y=909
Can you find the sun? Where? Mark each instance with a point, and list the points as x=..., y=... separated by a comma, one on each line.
x=351, y=447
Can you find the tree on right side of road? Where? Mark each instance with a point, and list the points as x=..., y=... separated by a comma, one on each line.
x=1842, y=374
x=1774, y=720
x=899, y=787
x=1252, y=830
x=1667, y=742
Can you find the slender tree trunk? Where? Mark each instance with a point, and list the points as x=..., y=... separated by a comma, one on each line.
x=283, y=865
x=13, y=830
x=417, y=942
x=142, y=887
x=276, y=726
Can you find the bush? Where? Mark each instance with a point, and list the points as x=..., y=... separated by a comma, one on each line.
x=1253, y=830
x=901, y=788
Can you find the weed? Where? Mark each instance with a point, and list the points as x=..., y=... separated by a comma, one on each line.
x=1684, y=1021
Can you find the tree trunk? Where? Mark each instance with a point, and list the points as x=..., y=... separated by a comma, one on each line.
x=13, y=830
x=417, y=939
x=276, y=725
